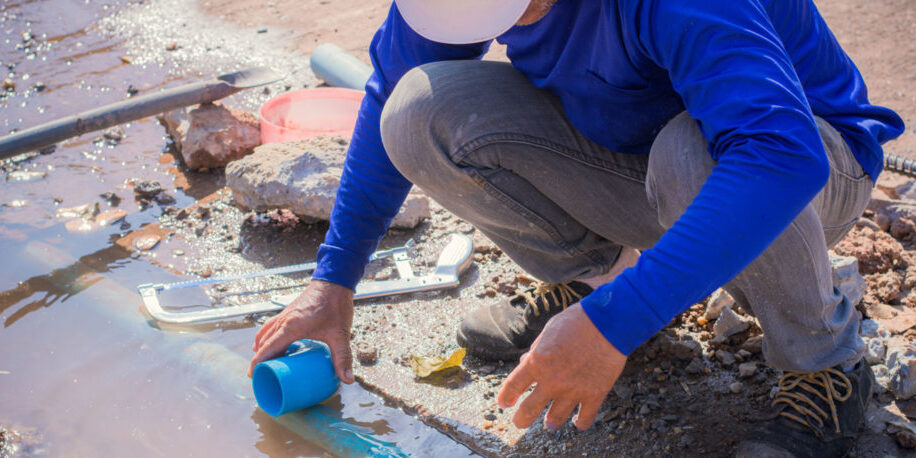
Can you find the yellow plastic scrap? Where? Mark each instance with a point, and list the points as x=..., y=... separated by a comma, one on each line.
x=423, y=366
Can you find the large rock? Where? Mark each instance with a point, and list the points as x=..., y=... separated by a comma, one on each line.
x=211, y=135
x=302, y=177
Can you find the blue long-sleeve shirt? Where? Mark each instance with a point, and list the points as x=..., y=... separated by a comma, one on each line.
x=752, y=73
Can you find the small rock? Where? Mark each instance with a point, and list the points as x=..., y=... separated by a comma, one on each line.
x=685, y=350
x=753, y=344
x=905, y=439
x=147, y=189
x=366, y=355
x=110, y=217
x=724, y=357
x=743, y=354
x=695, y=367
x=80, y=225
x=874, y=351
x=730, y=323
x=901, y=228
x=211, y=135
x=110, y=197
x=486, y=369
x=146, y=243
x=736, y=387
x=25, y=175
x=872, y=328
x=8, y=85
x=746, y=370
x=883, y=222
x=39, y=86
x=847, y=279
x=171, y=46
x=178, y=253
x=113, y=135
x=718, y=301
x=901, y=365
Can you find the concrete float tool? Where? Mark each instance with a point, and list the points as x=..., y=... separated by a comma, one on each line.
x=454, y=259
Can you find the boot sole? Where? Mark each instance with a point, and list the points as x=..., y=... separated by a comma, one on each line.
x=488, y=353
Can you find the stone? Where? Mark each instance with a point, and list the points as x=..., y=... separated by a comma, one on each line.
x=847, y=279
x=730, y=323
x=753, y=344
x=874, y=350
x=725, y=357
x=872, y=328
x=901, y=365
x=146, y=243
x=736, y=387
x=718, y=301
x=366, y=355
x=211, y=135
x=906, y=439
x=303, y=176
x=695, y=367
x=147, y=189
x=746, y=370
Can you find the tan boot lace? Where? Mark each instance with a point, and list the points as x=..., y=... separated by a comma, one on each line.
x=829, y=385
x=561, y=293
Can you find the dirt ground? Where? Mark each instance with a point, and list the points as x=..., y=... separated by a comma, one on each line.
x=681, y=394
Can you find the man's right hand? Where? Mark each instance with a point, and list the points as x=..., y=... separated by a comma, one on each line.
x=324, y=312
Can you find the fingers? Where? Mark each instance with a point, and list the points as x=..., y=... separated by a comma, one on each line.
x=341, y=355
x=588, y=411
x=531, y=408
x=265, y=331
x=559, y=412
x=515, y=385
x=272, y=346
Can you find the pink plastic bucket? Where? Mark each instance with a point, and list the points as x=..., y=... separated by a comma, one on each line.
x=305, y=113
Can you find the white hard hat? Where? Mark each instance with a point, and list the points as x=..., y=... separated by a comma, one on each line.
x=461, y=21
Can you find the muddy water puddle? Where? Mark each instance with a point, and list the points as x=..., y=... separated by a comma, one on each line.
x=83, y=371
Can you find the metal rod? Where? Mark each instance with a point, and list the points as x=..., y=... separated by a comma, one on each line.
x=903, y=166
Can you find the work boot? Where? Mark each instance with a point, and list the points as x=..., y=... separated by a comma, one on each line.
x=818, y=414
x=505, y=330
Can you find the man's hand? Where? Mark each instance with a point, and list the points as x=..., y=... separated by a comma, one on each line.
x=324, y=311
x=570, y=364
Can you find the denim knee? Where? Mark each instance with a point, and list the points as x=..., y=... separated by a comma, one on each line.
x=679, y=164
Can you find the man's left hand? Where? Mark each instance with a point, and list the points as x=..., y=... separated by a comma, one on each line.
x=570, y=364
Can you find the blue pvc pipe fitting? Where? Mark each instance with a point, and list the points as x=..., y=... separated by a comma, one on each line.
x=302, y=378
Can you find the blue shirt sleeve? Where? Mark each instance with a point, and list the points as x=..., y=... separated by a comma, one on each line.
x=736, y=79
x=371, y=189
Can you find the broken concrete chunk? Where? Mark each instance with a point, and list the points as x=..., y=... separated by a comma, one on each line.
x=303, y=176
x=211, y=135
x=718, y=301
x=847, y=279
x=901, y=365
x=874, y=350
x=729, y=324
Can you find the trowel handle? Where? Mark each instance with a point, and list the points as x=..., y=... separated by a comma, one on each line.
x=456, y=256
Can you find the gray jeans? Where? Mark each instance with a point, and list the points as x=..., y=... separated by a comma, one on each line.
x=490, y=147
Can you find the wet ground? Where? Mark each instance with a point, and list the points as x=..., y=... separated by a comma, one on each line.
x=83, y=371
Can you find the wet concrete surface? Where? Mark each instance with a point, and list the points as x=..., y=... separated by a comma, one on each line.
x=83, y=372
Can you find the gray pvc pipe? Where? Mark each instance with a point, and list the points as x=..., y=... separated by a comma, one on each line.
x=321, y=425
x=339, y=68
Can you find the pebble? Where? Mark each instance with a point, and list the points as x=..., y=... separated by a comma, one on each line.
x=9, y=85
x=736, y=387
x=718, y=301
x=905, y=439
x=695, y=367
x=110, y=217
x=147, y=189
x=753, y=344
x=367, y=355
x=486, y=369
x=901, y=365
x=110, y=197
x=874, y=350
x=729, y=323
x=178, y=253
x=146, y=243
x=746, y=370
x=725, y=357
x=171, y=46
x=872, y=328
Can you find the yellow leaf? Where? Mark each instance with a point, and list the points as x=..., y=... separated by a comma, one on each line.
x=423, y=366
